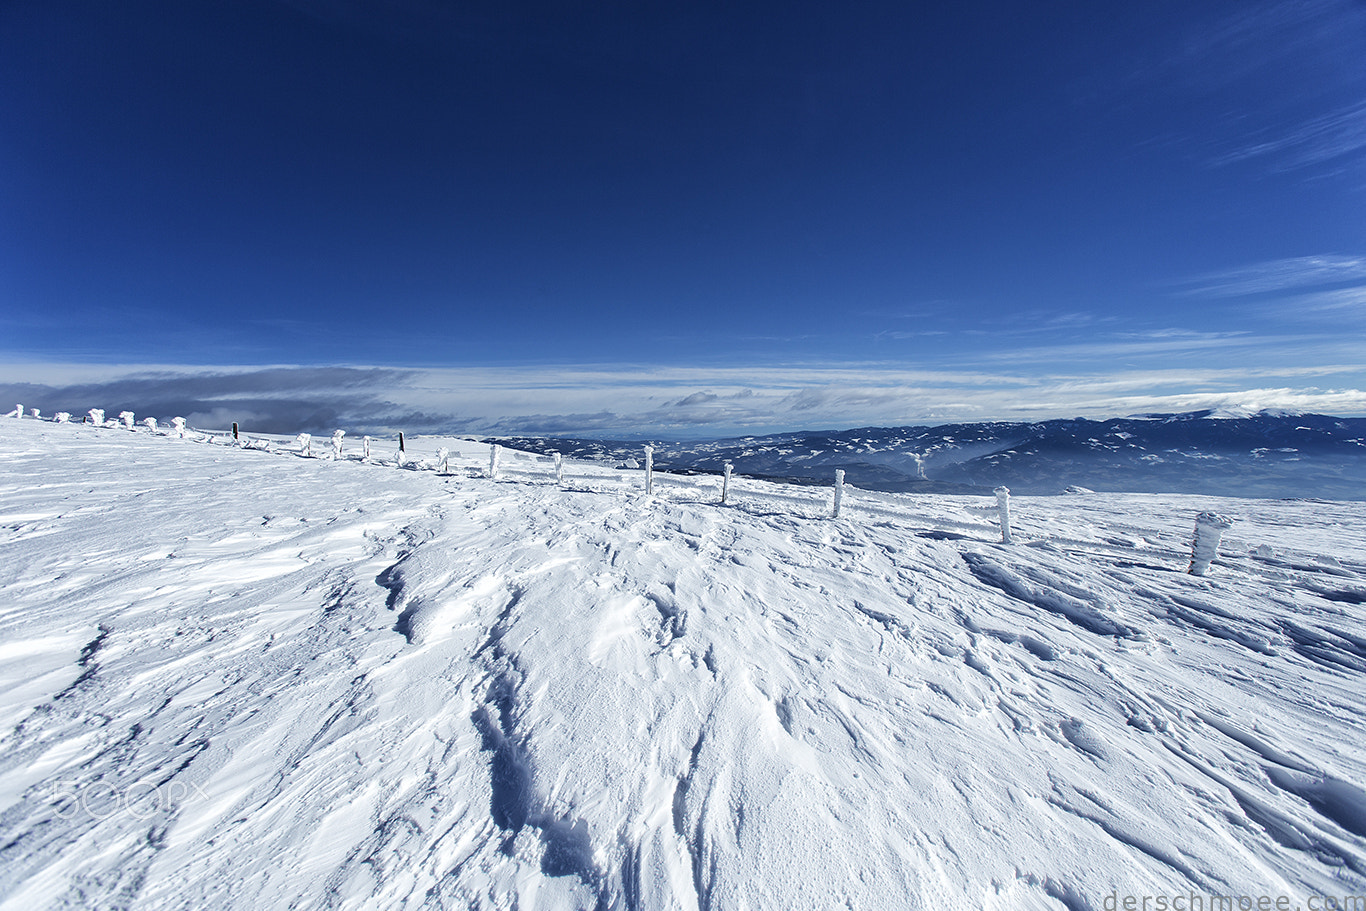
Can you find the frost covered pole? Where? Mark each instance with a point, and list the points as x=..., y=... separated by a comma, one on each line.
x=1003, y=508
x=649, y=469
x=725, y=482
x=494, y=451
x=839, y=493
x=179, y=425
x=35, y=413
x=96, y=416
x=443, y=460
x=402, y=451
x=150, y=424
x=305, y=442
x=18, y=411
x=63, y=417
x=337, y=444
x=235, y=437
x=1209, y=528
x=559, y=469
x=365, y=449
x=127, y=418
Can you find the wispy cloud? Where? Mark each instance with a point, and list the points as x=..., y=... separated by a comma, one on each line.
x=1292, y=274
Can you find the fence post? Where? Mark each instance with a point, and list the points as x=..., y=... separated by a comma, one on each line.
x=402, y=457
x=235, y=437
x=63, y=417
x=839, y=493
x=306, y=444
x=96, y=416
x=150, y=424
x=179, y=425
x=494, y=451
x=337, y=444
x=559, y=469
x=649, y=469
x=1003, y=508
x=127, y=418
x=1209, y=528
x=365, y=449
x=18, y=411
x=35, y=413
x=443, y=461
x=725, y=482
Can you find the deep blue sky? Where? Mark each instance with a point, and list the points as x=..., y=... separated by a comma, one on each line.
x=1093, y=205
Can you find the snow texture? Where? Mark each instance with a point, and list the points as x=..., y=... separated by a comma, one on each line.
x=235, y=678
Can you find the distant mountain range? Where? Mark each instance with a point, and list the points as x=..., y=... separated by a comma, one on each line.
x=1268, y=454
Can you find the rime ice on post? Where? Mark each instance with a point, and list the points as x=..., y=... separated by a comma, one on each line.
x=150, y=424
x=559, y=469
x=337, y=443
x=35, y=413
x=96, y=416
x=494, y=451
x=18, y=411
x=443, y=460
x=839, y=493
x=1209, y=528
x=365, y=449
x=127, y=418
x=402, y=455
x=179, y=425
x=725, y=482
x=1003, y=508
x=62, y=417
x=305, y=442
x=649, y=469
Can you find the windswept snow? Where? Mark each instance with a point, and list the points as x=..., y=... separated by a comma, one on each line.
x=249, y=679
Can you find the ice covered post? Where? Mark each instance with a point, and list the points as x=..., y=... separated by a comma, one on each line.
x=235, y=437
x=34, y=412
x=305, y=442
x=494, y=452
x=839, y=493
x=179, y=425
x=443, y=460
x=337, y=443
x=649, y=469
x=127, y=418
x=150, y=424
x=365, y=449
x=96, y=416
x=18, y=411
x=402, y=456
x=559, y=469
x=1003, y=509
x=1209, y=528
x=725, y=481
x=63, y=417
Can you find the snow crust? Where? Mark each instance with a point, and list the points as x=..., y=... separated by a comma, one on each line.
x=240, y=678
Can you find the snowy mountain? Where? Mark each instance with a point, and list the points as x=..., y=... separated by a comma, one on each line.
x=240, y=677
x=1258, y=455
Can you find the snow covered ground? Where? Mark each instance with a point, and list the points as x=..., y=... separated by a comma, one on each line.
x=243, y=679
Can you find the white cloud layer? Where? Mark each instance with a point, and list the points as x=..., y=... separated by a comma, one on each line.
x=660, y=401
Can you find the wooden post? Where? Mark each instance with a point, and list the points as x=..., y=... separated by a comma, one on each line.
x=402, y=456
x=839, y=492
x=494, y=452
x=234, y=430
x=365, y=449
x=1003, y=509
x=725, y=482
x=1209, y=528
x=649, y=469
x=559, y=469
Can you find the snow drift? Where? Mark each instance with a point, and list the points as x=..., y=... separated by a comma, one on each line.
x=250, y=679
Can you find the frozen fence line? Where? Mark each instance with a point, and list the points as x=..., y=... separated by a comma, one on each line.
x=1209, y=528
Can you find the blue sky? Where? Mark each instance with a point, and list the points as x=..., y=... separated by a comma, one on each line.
x=686, y=218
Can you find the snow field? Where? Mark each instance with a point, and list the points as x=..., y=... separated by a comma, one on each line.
x=238, y=680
